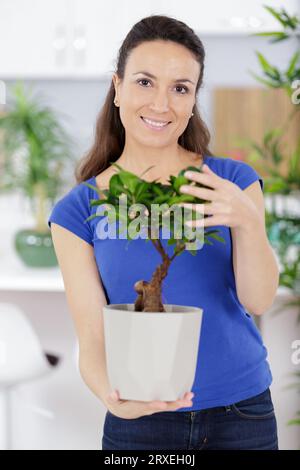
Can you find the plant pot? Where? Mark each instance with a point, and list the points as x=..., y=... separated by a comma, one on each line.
x=35, y=248
x=151, y=355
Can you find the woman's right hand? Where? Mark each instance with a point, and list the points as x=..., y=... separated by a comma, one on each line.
x=130, y=409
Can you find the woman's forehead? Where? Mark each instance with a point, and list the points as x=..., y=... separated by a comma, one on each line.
x=160, y=57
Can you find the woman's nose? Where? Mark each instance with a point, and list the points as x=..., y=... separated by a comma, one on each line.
x=160, y=103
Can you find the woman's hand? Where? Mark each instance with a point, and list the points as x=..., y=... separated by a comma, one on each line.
x=130, y=409
x=229, y=205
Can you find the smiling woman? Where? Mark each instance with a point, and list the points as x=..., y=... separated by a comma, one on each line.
x=150, y=119
x=161, y=101
x=150, y=116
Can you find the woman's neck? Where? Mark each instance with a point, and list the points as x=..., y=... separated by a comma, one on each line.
x=161, y=170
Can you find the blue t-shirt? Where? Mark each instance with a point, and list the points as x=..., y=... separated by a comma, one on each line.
x=232, y=359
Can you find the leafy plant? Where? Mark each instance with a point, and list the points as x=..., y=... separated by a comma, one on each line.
x=268, y=158
x=290, y=24
x=143, y=196
x=33, y=146
x=295, y=385
x=273, y=77
x=282, y=227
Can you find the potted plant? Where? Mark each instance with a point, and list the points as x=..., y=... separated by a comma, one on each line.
x=148, y=344
x=33, y=147
x=282, y=187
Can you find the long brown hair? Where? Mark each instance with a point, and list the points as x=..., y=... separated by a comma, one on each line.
x=110, y=133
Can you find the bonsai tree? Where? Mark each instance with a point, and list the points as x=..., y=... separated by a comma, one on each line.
x=141, y=195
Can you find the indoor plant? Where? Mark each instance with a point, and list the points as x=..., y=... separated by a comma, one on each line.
x=148, y=344
x=282, y=187
x=33, y=147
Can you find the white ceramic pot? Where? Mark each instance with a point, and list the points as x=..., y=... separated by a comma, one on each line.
x=149, y=355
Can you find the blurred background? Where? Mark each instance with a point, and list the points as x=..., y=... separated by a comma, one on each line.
x=56, y=62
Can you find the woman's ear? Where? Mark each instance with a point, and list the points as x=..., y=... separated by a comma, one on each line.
x=115, y=81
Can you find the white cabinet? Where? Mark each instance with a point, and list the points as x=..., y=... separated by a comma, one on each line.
x=33, y=38
x=94, y=39
x=233, y=17
x=57, y=38
x=81, y=38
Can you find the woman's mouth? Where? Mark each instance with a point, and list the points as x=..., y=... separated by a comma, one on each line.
x=156, y=126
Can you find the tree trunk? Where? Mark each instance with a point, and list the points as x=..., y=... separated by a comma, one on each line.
x=149, y=293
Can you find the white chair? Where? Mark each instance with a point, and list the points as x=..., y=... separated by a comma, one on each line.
x=21, y=360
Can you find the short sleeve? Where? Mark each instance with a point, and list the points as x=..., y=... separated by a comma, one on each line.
x=71, y=212
x=244, y=175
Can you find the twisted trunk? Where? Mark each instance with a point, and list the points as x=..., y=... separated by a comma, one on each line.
x=149, y=293
x=149, y=298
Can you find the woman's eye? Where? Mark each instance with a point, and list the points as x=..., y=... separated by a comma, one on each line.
x=143, y=80
x=184, y=88
x=178, y=86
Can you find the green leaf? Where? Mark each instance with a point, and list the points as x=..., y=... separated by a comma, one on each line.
x=179, y=181
x=193, y=252
x=271, y=134
x=91, y=217
x=153, y=166
x=191, y=168
x=161, y=199
x=116, y=187
x=268, y=83
x=276, y=15
x=267, y=67
x=292, y=65
x=276, y=35
x=98, y=202
x=172, y=241
x=182, y=198
x=293, y=422
x=275, y=185
x=157, y=190
x=117, y=166
x=141, y=189
x=129, y=180
x=217, y=237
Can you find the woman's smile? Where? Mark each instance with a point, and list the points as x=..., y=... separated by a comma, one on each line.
x=156, y=126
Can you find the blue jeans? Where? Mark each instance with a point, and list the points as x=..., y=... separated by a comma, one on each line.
x=246, y=425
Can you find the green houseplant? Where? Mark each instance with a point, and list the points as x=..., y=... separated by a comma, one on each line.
x=149, y=341
x=282, y=217
x=33, y=147
x=282, y=188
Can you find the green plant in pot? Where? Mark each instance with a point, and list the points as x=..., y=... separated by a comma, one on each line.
x=282, y=194
x=33, y=148
x=282, y=187
x=147, y=361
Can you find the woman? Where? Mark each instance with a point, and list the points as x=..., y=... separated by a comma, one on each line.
x=150, y=119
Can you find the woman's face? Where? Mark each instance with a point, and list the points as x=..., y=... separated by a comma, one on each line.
x=167, y=97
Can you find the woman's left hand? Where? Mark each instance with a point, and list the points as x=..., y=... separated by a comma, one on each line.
x=229, y=204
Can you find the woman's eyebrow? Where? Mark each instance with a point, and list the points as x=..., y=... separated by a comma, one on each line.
x=153, y=76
